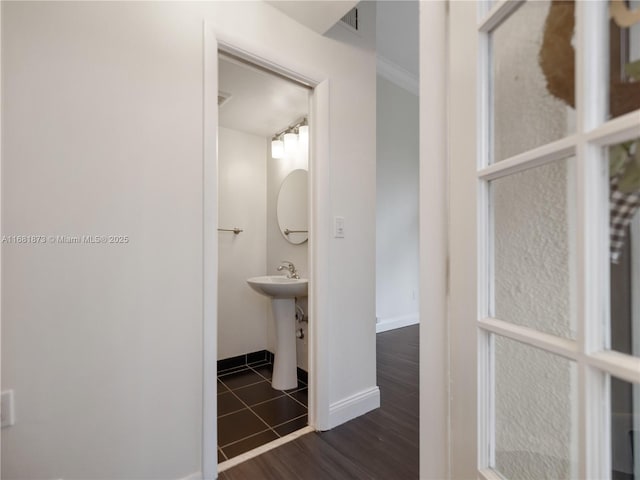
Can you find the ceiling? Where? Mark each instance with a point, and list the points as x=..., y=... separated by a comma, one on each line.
x=260, y=103
x=318, y=15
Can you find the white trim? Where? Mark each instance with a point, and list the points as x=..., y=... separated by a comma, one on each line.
x=623, y=366
x=592, y=242
x=551, y=343
x=530, y=159
x=617, y=364
x=486, y=400
x=489, y=474
x=397, y=75
x=268, y=59
x=226, y=465
x=319, y=252
x=500, y=11
x=210, y=254
x=193, y=476
x=435, y=431
x=483, y=102
x=617, y=130
x=393, y=323
x=594, y=400
x=353, y=406
x=484, y=253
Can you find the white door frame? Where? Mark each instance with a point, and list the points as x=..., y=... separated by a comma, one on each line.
x=320, y=225
x=434, y=338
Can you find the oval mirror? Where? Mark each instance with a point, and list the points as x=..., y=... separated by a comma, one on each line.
x=292, y=207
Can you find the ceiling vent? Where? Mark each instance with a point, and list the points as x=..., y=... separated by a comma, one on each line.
x=223, y=97
x=351, y=18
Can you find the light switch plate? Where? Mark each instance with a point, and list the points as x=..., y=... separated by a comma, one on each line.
x=7, y=411
x=338, y=227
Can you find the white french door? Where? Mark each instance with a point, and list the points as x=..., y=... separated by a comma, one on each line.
x=544, y=149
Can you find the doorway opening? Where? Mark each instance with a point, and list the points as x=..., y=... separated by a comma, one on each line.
x=318, y=244
x=263, y=258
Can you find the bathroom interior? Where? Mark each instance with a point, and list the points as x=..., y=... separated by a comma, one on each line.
x=263, y=156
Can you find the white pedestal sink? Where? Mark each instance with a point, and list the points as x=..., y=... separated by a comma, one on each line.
x=282, y=291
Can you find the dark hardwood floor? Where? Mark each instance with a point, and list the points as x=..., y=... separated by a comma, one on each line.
x=382, y=444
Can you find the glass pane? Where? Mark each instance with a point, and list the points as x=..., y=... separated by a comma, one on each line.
x=535, y=398
x=533, y=248
x=625, y=430
x=624, y=57
x=533, y=78
x=624, y=200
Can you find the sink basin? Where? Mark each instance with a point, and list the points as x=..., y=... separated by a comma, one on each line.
x=279, y=286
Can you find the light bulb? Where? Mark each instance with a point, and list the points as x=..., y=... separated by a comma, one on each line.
x=290, y=143
x=303, y=138
x=277, y=148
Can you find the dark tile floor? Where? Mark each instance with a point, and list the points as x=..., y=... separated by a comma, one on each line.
x=381, y=445
x=251, y=413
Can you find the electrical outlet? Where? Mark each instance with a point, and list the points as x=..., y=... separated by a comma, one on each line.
x=7, y=411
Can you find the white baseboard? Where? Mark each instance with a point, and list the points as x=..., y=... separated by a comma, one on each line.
x=353, y=406
x=391, y=323
x=193, y=476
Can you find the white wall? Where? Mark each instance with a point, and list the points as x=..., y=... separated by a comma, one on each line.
x=396, y=205
x=278, y=248
x=102, y=118
x=397, y=164
x=242, y=189
x=397, y=33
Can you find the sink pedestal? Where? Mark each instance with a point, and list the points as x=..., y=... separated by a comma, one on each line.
x=282, y=291
x=284, y=363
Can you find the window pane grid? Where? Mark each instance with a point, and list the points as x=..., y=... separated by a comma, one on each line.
x=559, y=346
x=593, y=132
x=616, y=364
x=498, y=12
x=614, y=131
x=605, y=361
x=530, y=159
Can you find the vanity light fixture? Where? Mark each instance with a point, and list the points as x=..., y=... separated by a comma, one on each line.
x=291, y=140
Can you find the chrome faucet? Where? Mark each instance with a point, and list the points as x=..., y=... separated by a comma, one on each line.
x=293, y=273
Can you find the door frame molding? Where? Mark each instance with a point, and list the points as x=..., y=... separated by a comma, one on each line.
x=320, y=227
x=435, y=436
